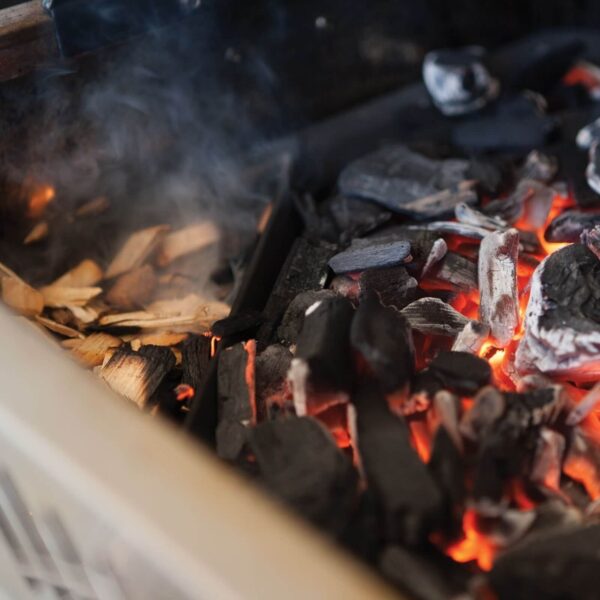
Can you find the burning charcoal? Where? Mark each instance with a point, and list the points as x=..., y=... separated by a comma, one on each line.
x=458, y=81
x=455, y=272
x=592, y=173
x=465, y=214
x=304, y=270
x=195, y=362
x=447, y=410
x=569, y=225
x=585, y=406
x=498, y=284
x=582, y=462
x=488, y=408
x=461, y=372
x=408, y=183
x=383, y=338
x=452, y=228
x=137, y=375
x=562, y=326
x=591, y=239
x=434, y=317
x=365, y=254
x=272, y=366
x=409, y=499
x=447, y=468
x=538, y=200
x=323, y=362
x=299, y=462
x=561, y=565
x=416, y=574
x=237, y=399
x=539, y=167
x=293, y=319
x=348, y=287
x=423, y=390
x=589, y=135
x=547, y=463
x=394, y=286
x=471, y=338
x=241, y=322
x=503, y=133
x=437, y=253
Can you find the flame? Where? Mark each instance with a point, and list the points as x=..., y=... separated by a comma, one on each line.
x=421, y=439
x=473, y=546
x=39, y=200
x=214, y=341
x=184, y=392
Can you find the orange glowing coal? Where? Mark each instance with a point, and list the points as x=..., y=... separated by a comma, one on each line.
x=184, y=392
x=474, y=546
x=421, y=439
x=39, y=200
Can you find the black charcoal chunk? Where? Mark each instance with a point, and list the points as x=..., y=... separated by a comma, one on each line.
x=591, y=238
x=236, y=408
x=299, y=462
x=592, y=173
x=559, y=566
x=383, y=338
x=455, y=272
x=272, y=366
x=394, y=286
x=458, y=81
x=539, y=167
x=503, y=133
x=461, y=372
x=435, y=317
x=324, y=344
x=408, y=497
x=569, y=225
x=408, y=183
x=237, y=324
x=370, y=254
x=195, y=360
x=293, y=319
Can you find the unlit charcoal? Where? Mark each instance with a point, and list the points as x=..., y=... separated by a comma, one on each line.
x=589, y=135
x=585, y=406
x=434, y=317
x=323, y=362
x=299, y=462
x=365, y=254
x=499, y=306
x=353, y=217
x=409, y=499
x=383, y=338
x=455, y=272
x=394, y=286
x=461, y=372
x=409, y=183
x=562, y=327
x=560, y=564
x=458, y=81
x=539, y=167
x=569, y=225
x=471, y=216
x=591, y=239
x=471, y=338
x=237, y=399
x=592, y=173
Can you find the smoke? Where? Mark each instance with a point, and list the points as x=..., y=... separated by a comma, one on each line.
x=162, y=127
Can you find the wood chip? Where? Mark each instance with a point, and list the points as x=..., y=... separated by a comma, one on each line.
x=58, y=296
x=92, y=350
x=87, y=273
x=133, y=289
x=136, y=249
x=187, y=240
x=21, y=297
x=59, y=328
x=163, y=338
x=37, y=234
x=94, y=207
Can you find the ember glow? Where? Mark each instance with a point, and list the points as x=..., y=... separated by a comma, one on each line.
x=39, y=200
x=474, y=546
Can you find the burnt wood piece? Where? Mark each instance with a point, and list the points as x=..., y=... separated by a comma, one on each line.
x=539, y=167
x=195, y=361
x=591, y=239
x=408, y=183
x=323, y=360
x=499, y=303
x=394, y=286
x=562, y=321
x=406, y=493
x=461, y=372
x=382, y=336
x=137, y=375
x=432, y=316
x=236, y=398
x=471, y=338
x=304, y=270
x=471, y=216
x=366, y=254
x=456, y=273
x=510, y=442
x=293, y=319
x=437, y=253
x=558, y=566
x=447, y=468
x=237, y=324
x=451, y=227
x=272, y=366
x=569, y=225
x=299, y=462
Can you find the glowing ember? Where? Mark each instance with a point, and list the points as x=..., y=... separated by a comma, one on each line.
x=421, y=439
x=184, y=392
x=474, y=546
x=39, y=200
